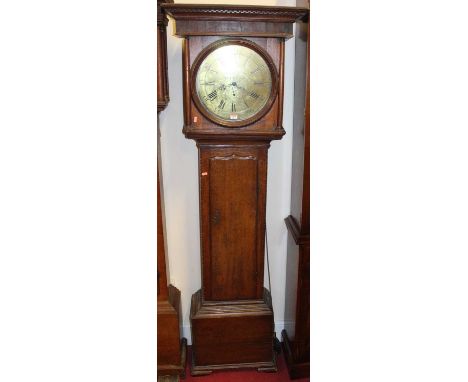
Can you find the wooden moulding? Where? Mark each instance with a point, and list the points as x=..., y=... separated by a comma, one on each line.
x=162, y=270
x=232, y=335
x=281, y=82
x=162, y=19
x=163, y=85
x=295, y=369
x=234, y=20
x=186, y=80
x=231, y=134
x=295, y=231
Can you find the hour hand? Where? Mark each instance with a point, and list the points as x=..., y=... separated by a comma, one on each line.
x=213, y=83
x=235, y=84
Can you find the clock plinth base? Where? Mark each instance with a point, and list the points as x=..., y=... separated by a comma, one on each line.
x=232, y=335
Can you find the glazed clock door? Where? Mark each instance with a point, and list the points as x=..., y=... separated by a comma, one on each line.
x=233, y=209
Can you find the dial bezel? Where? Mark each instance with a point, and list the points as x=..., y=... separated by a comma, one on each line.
x=274, y=82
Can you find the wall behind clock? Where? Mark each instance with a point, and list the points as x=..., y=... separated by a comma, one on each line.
x=180, y=172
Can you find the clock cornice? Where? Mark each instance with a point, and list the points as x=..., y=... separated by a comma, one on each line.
x=265, y=21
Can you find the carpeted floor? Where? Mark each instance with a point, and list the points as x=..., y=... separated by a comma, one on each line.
x=242, y=375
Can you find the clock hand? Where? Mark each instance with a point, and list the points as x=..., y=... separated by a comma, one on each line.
x=239, y=87
x=232, y=84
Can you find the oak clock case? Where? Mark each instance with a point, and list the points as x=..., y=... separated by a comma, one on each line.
x=232, y=55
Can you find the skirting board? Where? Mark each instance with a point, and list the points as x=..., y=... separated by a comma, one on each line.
x=279, y=326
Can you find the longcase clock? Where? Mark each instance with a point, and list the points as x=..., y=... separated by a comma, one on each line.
x=233, y=80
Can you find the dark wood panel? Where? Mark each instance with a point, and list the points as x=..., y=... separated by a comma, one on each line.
x=232, y=211
x=171, y=347
x=233, y=201
x=162, y=77
x=257, y=328
x=297, y=304
x=296, y=369
x=301, y=347
x=297, y=307
x=233, y=28
x=161, y=250
x=305, y=218
x=168, y=343
x=186, y=81
x=241, y=352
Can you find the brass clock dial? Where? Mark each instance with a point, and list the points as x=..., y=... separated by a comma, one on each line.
x=234, y=83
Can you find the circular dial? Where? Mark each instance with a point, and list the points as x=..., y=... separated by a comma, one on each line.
x=233, y=83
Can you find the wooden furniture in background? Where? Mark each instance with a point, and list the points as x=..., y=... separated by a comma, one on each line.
x=297, y=347
x=163, y=78
x=172, y=348
x=232, y=315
